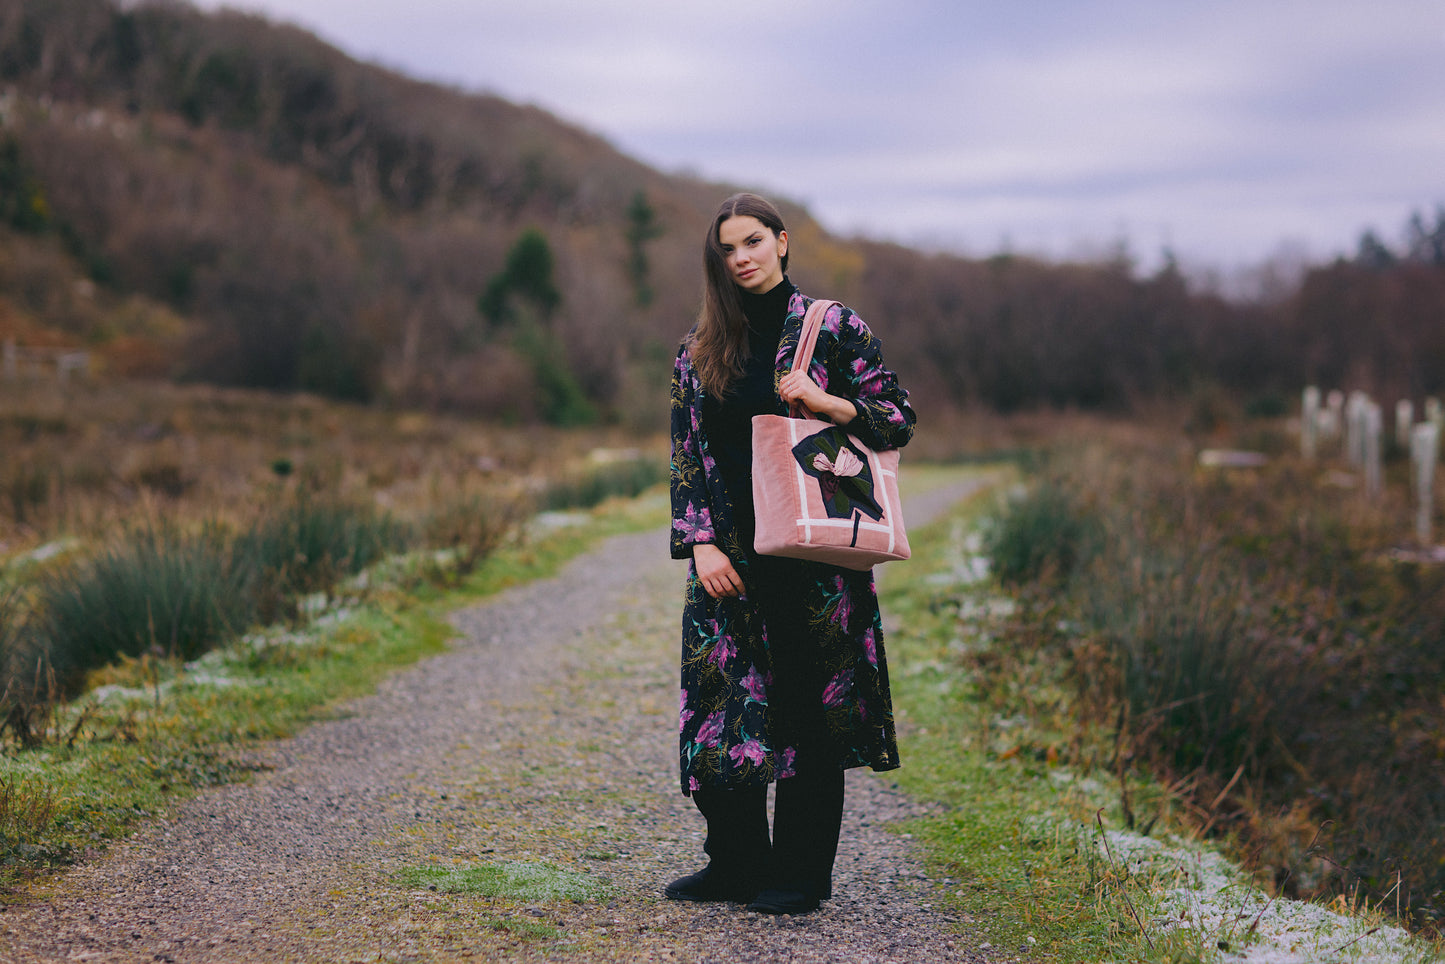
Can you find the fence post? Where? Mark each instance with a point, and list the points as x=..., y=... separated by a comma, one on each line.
x=1355, y=409
x=1404, y=418
x=1335, y=405
x=1435, y=413
x=1372, y=424
x=1424, y=452
x=1310, y=422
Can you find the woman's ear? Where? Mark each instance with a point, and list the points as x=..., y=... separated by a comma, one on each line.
x=782, y=243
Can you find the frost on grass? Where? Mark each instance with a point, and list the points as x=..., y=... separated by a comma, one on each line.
x=45, y=553
x=1199, y=896
x=547, y=522
x=514, y=879
x=965, y=561
x=219, y=667
x=310, y=633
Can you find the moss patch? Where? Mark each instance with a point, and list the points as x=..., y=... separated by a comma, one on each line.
x=515, y=880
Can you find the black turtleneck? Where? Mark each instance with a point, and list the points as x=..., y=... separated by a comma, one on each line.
x=728, y=423
x=767, y=311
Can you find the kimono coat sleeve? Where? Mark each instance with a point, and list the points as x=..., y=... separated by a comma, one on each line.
x=692, y=467
x=722, y=712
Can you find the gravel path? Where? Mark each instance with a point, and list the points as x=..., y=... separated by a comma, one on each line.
x=545, y=734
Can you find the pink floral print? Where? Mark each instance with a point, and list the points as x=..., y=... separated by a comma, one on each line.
x=727, y=726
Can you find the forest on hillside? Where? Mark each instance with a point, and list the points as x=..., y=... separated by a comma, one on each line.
x=216, y=197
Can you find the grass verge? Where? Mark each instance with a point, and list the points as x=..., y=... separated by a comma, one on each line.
x=1015, y=847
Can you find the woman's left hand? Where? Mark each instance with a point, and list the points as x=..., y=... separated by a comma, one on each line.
x=799, y=388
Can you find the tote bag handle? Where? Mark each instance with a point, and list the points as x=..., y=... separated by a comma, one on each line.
x=807, y=342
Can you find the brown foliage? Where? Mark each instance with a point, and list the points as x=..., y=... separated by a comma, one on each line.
x=329, y=225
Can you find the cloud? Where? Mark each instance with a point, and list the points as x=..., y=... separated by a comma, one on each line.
x=1221, y=127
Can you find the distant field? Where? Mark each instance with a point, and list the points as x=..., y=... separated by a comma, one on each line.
x=83, y=458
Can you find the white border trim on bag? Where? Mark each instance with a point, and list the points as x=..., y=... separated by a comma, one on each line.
x=888, y=510
x=793, y=424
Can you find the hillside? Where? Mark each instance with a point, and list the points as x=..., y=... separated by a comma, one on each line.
x=223, y=198
x=317, y=222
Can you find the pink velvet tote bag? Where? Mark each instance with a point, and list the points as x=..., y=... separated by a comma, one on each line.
x=818, y=492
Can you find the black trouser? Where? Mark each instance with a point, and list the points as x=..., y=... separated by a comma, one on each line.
x=807, y=817
x=807, y=807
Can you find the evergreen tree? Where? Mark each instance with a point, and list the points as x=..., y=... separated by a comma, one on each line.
x=642, y=227
x=22, y=199
x=527, y=275
x=523, y=296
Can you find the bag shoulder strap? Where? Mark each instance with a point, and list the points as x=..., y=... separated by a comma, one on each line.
x=808, y=338
x=807, y=342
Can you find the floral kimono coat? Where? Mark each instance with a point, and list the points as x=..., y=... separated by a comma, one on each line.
x=727, y=734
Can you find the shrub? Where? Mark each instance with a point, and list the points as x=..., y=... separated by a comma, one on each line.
x=624, y=478
x=1045, y=535
x=156, y=591
x=559, y=395
x=472, y=525
x=1268, y=405
x=1190, y=670
x=311, y=543
x=161, y=592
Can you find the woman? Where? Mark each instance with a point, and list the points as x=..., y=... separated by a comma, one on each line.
x=783, y=671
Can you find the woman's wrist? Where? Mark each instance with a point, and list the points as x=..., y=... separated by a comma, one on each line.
x=840, y=411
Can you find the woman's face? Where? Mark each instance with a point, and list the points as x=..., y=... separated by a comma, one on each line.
x=754, y=254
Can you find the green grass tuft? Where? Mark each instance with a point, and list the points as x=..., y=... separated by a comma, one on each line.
x=158, y=592
x=311, y=543
x=1044, y=535
x=623, y=478
x=521, y=927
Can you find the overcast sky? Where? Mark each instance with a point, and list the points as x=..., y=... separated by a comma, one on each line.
x=1224, y=130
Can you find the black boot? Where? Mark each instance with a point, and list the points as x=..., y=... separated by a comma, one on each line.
x=783, y=900
x=713, y=884
x=737, y=842
x=807, y=817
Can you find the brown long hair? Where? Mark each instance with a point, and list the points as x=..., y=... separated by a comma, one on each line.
x=720, y=341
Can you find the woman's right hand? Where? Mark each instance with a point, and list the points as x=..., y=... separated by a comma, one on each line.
x=715, y=571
